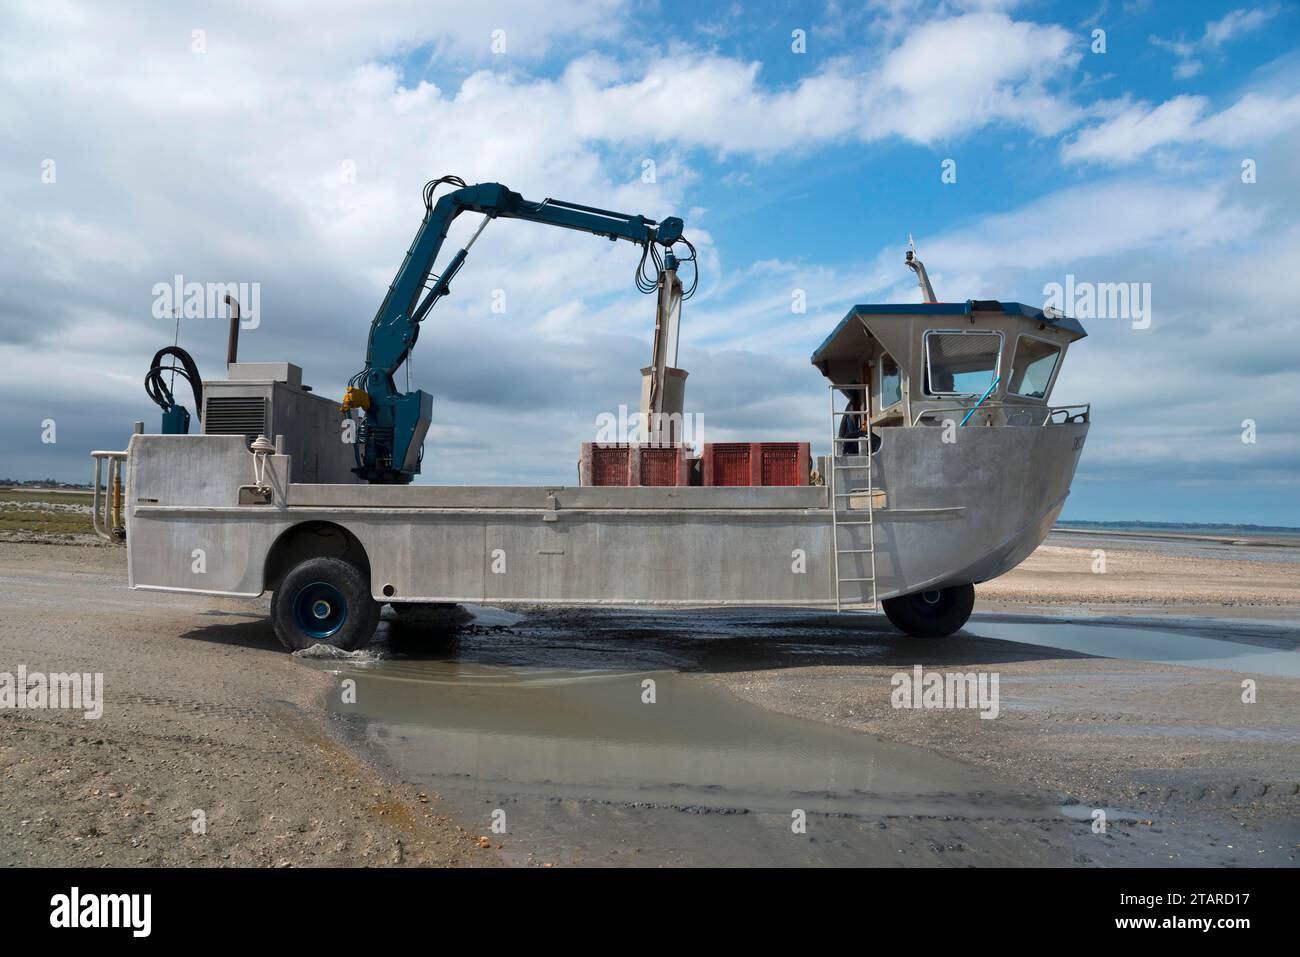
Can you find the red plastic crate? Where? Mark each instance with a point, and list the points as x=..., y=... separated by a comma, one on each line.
x=609, y=466
x=727, y=463
x=633, y=465
x=661, y=466
x=784, y=463
x=756, y=463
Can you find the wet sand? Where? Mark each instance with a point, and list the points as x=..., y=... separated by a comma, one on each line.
x=203, y=712
x=1205, y=776
x=1185, y=772
x=570, y=758
x=1151, y=579
x=759, y=714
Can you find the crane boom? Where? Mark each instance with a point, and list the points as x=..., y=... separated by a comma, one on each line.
x=391, y=437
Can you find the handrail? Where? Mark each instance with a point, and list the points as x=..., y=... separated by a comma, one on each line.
x=966, y=408
x=1086, y=414
x=1048, y=411
x=987, y=392
x=1085, y=407
x=105, y=519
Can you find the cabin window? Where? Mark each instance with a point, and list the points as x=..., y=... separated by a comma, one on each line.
x=961, y=363
x=1032, y=367
x=891, y=382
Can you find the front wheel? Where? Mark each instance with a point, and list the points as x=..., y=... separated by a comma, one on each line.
x=324, y=601
x=931, y=614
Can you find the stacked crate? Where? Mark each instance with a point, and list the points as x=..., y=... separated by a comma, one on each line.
x=633, y=464
x=756, y=463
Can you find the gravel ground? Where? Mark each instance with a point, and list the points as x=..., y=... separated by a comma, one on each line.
x=204, y=711
x=1159, y=741
x=1176, y=742
x=196, y=718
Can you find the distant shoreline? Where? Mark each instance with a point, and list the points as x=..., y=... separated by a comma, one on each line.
x=1270, y=538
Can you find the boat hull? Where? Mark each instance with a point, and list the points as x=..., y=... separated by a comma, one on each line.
x=964, y=511
x=956, y=512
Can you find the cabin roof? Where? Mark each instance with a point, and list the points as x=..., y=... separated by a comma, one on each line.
x=913, y=310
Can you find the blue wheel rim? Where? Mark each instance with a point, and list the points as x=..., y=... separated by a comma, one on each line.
x=319, y=610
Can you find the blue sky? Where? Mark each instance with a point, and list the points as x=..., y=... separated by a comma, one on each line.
x=793, y=171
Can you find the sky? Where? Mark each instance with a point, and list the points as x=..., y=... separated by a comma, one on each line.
x=1018, y=143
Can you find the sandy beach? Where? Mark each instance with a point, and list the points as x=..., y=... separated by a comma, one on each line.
x=206, y=712
x=1120, y=580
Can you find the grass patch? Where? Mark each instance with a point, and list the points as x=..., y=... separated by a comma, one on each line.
x=43, y=512
x=44, y=522
x=38, y=495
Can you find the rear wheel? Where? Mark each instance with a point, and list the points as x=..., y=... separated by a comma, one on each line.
x=931, y=614
x=324, y=601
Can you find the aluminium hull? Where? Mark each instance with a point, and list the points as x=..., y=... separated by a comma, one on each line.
x=957, y=512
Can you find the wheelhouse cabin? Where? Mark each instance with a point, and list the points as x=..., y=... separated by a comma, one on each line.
x=922, y=364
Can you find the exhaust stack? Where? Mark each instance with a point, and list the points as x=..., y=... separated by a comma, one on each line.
x=232, y=342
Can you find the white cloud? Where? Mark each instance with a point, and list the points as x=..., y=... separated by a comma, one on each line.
x=937, y=83
x=1141, y=128
x=1081, y=223
x=969, y=71
x=1234, y=24
x=228, y=166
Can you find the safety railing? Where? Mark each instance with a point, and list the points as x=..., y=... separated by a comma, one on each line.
x=106, y=508
x=1037, y=415
x=1072, y=413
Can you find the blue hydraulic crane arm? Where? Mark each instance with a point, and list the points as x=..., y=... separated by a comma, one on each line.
x=396, y=325
x=390, y=438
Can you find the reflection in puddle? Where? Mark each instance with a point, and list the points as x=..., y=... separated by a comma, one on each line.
x=591, y=734
x=1144, y=644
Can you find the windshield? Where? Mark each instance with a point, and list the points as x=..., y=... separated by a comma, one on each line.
x=1032, y=367
x=961, y=363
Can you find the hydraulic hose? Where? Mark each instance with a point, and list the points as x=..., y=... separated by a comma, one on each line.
x=157, y=389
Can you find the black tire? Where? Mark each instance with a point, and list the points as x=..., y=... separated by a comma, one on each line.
x=931, y=614
x=324, y=601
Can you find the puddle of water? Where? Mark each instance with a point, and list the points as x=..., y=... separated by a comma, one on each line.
x=588, y=734
x=323, y=652
x=1082, y=812
x=1144, y=644
x=486, y=615
x=1269, y=548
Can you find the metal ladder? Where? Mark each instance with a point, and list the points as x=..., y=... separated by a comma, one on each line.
x=851, y=492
